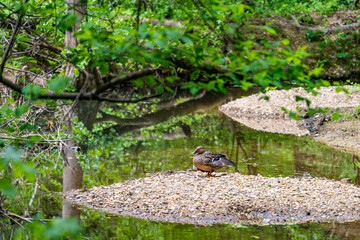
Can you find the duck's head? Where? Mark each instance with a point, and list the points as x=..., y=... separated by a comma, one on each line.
x=199, y=150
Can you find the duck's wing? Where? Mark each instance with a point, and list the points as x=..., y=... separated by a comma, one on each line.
x=217, y=160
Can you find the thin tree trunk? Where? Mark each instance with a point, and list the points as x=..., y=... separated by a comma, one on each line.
x=79, y=8
x=72, y=173
x=85, y=110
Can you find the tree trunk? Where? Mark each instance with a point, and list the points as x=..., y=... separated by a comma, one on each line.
x=79, y=8
x=85, y=110
x=72, y=173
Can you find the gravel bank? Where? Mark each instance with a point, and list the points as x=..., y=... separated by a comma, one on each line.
x=189, y=197
x=267, y=115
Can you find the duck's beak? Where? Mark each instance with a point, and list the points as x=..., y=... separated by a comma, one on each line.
x=194, y=152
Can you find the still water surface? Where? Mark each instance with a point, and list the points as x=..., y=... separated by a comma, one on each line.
x=254, y=152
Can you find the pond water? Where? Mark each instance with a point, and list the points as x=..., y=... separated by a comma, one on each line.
x=254, y=153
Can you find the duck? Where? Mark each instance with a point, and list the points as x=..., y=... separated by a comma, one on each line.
x=209, y=162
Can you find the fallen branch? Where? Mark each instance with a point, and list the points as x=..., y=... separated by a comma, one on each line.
x=321, y=29
x=314, y=29
x=13, y=215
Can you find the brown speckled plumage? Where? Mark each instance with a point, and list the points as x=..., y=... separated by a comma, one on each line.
x=209, y=162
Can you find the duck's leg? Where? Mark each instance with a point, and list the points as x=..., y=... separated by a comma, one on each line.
x=209, y=173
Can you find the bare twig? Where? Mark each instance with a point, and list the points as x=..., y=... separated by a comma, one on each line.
x=21, y=70
x=33, y=196
x=11, y=43
x=12, y=217
x=294, y=19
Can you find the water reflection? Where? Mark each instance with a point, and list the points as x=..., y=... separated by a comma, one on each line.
x=105, y=226
x=254, y=152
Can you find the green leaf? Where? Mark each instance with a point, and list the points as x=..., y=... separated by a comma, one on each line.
x=59, y=84
x=31, y=91
x=342, y=89
x=316, y=72
x=297, y=61
x=34, y=139
x=335, y=116
x=22, y=169
x=269, y=30
x=357, y=163
x=10, y=100
x=104, y=68
x=221, y=87
x=170, y=90
x=12, y=154
x=7, y=188
x=194, y=90
x=285, y=42
x=21, y=7
x=150, y=81
x=246, y=85
x=161, y=41
x=298, y=98
x=234, y=78
x=173, y=35
x=27, y=126
x=240, y=9
x=325, y=83
x=21, y=110
x=194, y=75
x=60, y=228
x=67, y=22
x=160, y=89
x=186, y=40
x=76, y=72
x=264, y=98
x=294, y=116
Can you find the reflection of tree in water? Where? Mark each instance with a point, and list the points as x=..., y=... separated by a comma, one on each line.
x=349, y=230
x=204, y=102
x=237, y=146
x=299, y=160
